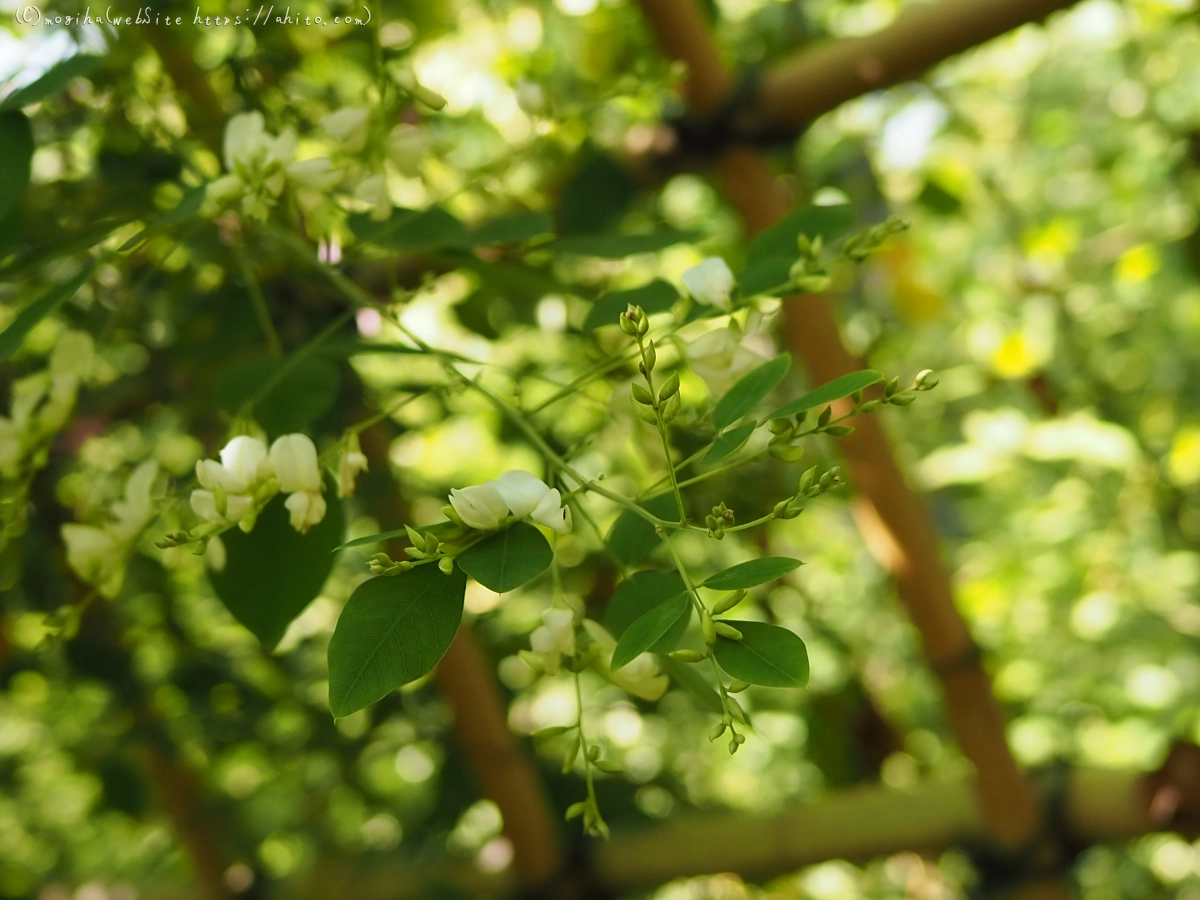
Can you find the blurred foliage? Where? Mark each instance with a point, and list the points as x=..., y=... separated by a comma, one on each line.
x=1050, y=276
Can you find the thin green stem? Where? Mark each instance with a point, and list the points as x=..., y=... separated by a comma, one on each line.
x=258, y=301
x=292, y=362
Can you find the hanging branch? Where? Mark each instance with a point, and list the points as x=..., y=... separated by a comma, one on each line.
x=894, y=521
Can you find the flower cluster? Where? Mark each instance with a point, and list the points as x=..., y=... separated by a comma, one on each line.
x=248, y=475
x=260, y=165
x=97, y=554
x=517, y=493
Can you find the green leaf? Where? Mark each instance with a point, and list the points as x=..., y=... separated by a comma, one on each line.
x=648, y=629
x=631, y=538
x=750, y=391
x=274, y=572
x=183, y=210
x=779, y=241
x=827, y=393
x=393, y=630
x=53, y=81
x=729, y=442
x=767, y=276
x=618, y=246
x=641, y=592
x=508, y=559
x=412, y=230
x=305, y=394
x=14, y=334
x=755, y=571
x=686, y=676
x=767, y=655
x=514, y=228
x=373, y=538
x=596, y=195
x=16, y=158
x=657, y=296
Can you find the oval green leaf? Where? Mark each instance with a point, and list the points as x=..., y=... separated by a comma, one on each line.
x=304, y=394
x=412, y=230
x=752, y=572
x=729, y=442
x=16, y=158
x=393, y=630
x=828, y=393
x=274, y=572
x=631, y=538
x=767, y=655
x=686, y=676
x=648, y=630
x=514, y=228
x=779, y=241
x=750, y=391
x=641, y=592
x=508, y=559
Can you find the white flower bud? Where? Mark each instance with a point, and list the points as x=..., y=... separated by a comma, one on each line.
x=521, y=490
x=710, y=283
x=406, y=148
x=349, y=125
x=318, y=173
x=374, y=191
x=352, y=462
x=240, y=462
x=204, y=504
x=214, y=554
x=136, y=509
x=294, y=459
x=307, y=508
x=551, y=513
x=479, y=506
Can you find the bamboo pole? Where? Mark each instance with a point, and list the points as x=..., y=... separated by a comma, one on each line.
x=819, y=79
x=858, y=825
x=894, y=522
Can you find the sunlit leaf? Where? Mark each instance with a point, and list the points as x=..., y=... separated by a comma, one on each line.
x=393, y=630
x=304, y=394
x=828, y=393
x=53, y=81
x=780, y=240
x=767, y=655
x=631, y=538
x=14, y=334
x=641, y=592
x=752, y=572
x=729, y=442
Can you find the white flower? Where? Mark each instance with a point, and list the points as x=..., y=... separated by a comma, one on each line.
x=352, y=462
x=204, y=504
x=307, y=508
x=245, y=141
x=294, y=459
x=479, y=506
x=710, y=283
x=639, y=677
x=136, y=509
x=554, y=639
x=240, y=468
x=317, y=173
x=374, y=190
x=551, y=513
x=406, y=148
x=349, y=125
x=521, y=490
x=719, y=358
x=224, y=190
x=92, y=552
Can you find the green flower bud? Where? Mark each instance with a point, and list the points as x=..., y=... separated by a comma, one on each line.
x=737, y=687
x=609, y=767
x=570, y=756
x=727, y=631
x=807, y=478
x=641, y=395
x=717, y=731
x=446, y=564
x=575, y=810
x=432, y=99
x=813, y=284
x=728, y=602
x=786, y=452
x=870, y=406
x=593, y=753
x=671, y=409
x=893, y=385
x=707, y=628
x=415, y=537
x=651, y=356
x=688, y=656
x=733, y=745
x=839, y=431
x=736, y=709
x=780, y=426
x=645, y=413
x=628, y=325
x=544, y=734
x=902, y=399
x=670, y=388
x=827, y=480
x=923, y=382
x=824, y=417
